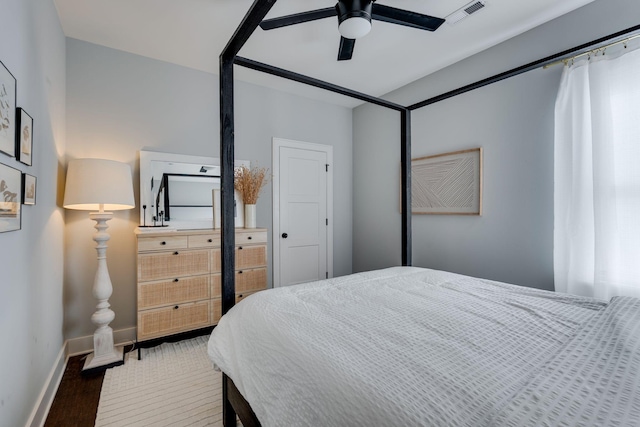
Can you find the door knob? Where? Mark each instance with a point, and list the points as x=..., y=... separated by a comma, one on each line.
x=285, y=235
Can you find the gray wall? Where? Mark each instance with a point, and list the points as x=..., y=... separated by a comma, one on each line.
x=118, y=103
x=32, y=47
x=513, y=120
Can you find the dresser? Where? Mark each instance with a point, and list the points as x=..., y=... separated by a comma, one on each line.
x=179, y=278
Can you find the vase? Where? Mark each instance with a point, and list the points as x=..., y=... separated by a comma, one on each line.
x=249, y=216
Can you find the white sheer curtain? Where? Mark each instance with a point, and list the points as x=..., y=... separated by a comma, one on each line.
x=597, y=178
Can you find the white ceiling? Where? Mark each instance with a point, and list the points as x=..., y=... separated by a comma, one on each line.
x=192, y=33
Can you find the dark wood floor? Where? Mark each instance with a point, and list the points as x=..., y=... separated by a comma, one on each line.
x=76, y=402
x=77, y=398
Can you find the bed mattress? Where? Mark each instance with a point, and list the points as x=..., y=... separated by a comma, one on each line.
x=407, y=346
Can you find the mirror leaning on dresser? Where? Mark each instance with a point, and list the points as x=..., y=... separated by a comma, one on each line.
x=178, y=250
x=176, y=190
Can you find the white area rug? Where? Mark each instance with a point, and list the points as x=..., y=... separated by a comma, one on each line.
x=173, y=385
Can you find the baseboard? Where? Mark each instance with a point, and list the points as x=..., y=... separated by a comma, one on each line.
x=83, y=345
x=45, y=399
x=70, y=348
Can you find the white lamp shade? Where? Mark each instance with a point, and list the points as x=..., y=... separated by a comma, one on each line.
x=354, y=27
x=95, y=182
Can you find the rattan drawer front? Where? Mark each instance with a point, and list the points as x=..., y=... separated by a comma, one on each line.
x=246, y=281
x=204, y=241
x=216, y=285
x=216, y=305
x=164, y=321
x=161, y=243
x=251, y=256
x=216, y=260
x=240, y=297
x=246, y=257
x=250, y=237
x=251, y=280
x=171, y=292
x=167, y=265
x=216, y=310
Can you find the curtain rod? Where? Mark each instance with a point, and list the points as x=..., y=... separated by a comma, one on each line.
x=593, y=51
x=527, y=67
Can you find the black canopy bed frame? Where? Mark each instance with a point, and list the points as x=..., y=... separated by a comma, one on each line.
x=233, y=401
x=165, y=193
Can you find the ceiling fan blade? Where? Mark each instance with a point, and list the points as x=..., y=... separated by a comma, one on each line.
x=405, y=17
x=298, y=18
x=346, y=49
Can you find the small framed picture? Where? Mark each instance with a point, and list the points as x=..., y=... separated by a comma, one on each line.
x=28, y=189
x=24, y=137
x=10, y=193
x=7, y=112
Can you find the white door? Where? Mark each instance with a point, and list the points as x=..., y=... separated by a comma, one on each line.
x=302, y=212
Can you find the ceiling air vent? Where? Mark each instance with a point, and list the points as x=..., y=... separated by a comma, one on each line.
x=465, y=11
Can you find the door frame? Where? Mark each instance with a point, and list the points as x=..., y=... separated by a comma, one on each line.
x=275, y=163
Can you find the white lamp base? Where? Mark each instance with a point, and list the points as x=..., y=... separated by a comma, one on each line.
x=94, y=363
x=105, y=354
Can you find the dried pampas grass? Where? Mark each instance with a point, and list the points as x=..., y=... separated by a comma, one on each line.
x=249, y=182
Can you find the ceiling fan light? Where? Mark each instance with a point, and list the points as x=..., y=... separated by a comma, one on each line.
x=354, y=18
x=355, y=27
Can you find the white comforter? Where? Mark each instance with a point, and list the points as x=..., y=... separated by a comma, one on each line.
x=413, y=347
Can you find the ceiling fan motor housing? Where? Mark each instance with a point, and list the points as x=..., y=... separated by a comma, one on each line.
x=354, y=20
x=347, y=9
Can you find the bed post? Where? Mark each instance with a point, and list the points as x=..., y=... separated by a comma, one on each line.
x=227, y=199
x=252, y=19
x=226, y=175
x=405, y=160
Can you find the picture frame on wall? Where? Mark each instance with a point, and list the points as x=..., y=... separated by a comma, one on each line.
x=448, y=183
x=28, y=189
x=24, y=137
x=10, y=198
x=7, y=112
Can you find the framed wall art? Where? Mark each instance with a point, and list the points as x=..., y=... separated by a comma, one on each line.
x=448, y=183
x=10, y=195
x=24, y=137
x=28, y=189
x=7, y=112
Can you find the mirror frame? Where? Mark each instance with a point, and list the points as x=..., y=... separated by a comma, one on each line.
x=146, y=157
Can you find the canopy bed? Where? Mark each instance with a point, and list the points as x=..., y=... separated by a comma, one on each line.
x=409, y=346
x=576, y=314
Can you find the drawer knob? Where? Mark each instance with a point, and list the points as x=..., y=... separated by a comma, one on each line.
x=210, y=240
x=240, y=296
x=175, y=308
x=240, y=248
x=163, y=243
x=176, y=253
x=175, y=280
x=240, y=272
x=285, y=235
x=249, y=238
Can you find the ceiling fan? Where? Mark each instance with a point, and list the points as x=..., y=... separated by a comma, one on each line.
x=354, y=20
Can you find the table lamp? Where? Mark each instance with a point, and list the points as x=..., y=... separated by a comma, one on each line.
x=100, y=185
